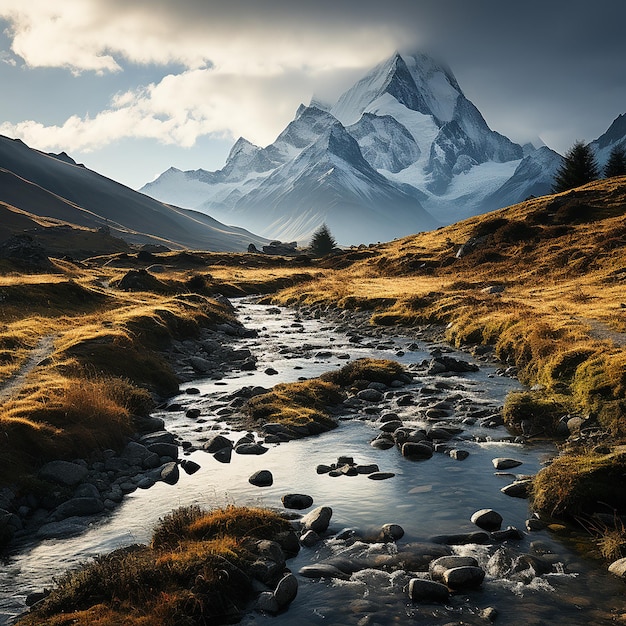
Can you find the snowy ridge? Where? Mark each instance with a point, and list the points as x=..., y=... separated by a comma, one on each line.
x=401, y=150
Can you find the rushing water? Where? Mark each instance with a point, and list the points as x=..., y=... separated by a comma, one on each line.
x=426, y=498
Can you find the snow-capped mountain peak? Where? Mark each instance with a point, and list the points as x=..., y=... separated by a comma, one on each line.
x=402, y=145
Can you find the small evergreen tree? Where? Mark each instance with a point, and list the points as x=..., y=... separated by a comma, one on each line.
x=578, y=168
x=322, y=242
x=616, y=165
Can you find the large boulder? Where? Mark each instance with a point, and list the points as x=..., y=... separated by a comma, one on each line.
x=63, y=473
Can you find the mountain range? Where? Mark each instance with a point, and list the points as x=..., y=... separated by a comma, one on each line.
x=402, y=150
x=55, y=186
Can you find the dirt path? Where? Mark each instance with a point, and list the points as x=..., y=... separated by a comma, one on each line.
x=599, y=330
x=42, y=350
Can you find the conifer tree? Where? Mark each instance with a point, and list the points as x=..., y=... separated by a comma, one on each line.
x=578, y=168
x=616, y=165
x=322, y=242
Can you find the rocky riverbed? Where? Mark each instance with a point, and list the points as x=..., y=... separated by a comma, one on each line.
x=417, y=471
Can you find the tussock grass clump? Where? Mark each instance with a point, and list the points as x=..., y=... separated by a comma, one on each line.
x=195, y=524
x=301, y=407
x=532, y=413
x=581, y=483
x=69, y=417
x=192, y=573
x=371, y=370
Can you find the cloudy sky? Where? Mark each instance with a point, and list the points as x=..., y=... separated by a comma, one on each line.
x=132, y=87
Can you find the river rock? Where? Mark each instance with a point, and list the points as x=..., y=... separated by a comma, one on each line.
x=383, y=442
x=60, y=530
x=466, y=577
x=87, y=490
x=518, y=488
x=190, y=467
x=286, y=590
x=487, y=519
x=502, y=463
x=439, y=566
x=296, y=501
x=416, y=451
x=390, y=532
x=267, y=603
x=169, y=473
x=458, y=455
x=63, y=473
x=390, y=427
x=78, y=507
x=508, y=534
x=380, y=475
x=216, y=443
x=370, y=395
x=323, y=570
x=163, y=449
x=422, y=590
x=261, y=478
x=462, y=539
x=135, y=453
x=618, y=568
x=251, y=448
x=224, y=455
x=367, y=469
x=309, y=538
x=318, y=519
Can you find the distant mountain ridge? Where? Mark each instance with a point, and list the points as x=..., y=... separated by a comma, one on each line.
x=430, y=158
x=53, y=185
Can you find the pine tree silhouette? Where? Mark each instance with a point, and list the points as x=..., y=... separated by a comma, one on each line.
x=578, y=168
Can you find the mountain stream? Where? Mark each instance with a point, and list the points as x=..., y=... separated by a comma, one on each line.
x=433, y=497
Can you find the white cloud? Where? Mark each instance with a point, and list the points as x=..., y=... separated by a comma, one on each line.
x=178, y=110
x=240, y=37
x=247, y=68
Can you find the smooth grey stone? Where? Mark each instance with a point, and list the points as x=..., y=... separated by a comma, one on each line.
x=170, y=473
x=502, y=463
x=422, y=590
x=217, y=443
x=439, y=566
x=487, y=519
x=517, y=489
x=380, y=475
x=63, y=473
x=309, y=538
x=318, y=519
x=416, y=451
x=323, y=570
x=465, y=577
x=261, y=478
x=286, y=590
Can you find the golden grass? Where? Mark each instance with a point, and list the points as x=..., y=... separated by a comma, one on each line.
x=580, y=483
x=560, y=317
x=102, y=343
x=301, y=407
x=191, y=573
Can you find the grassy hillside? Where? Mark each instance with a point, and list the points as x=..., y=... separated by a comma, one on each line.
x=543, y=282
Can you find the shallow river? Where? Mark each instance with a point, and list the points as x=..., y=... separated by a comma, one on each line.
x=425, y=498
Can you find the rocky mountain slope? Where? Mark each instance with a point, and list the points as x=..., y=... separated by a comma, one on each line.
x=54, y=186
